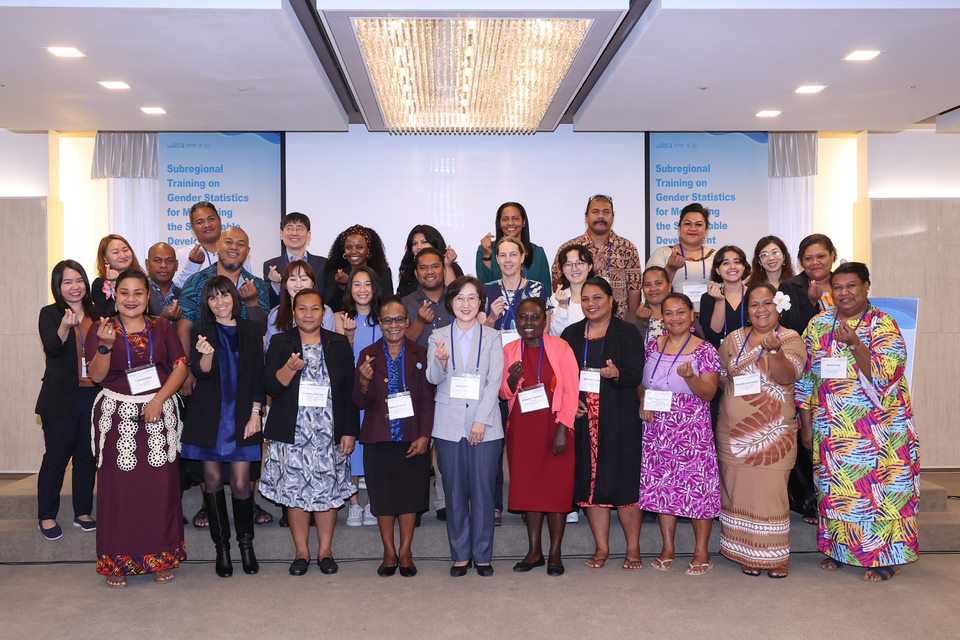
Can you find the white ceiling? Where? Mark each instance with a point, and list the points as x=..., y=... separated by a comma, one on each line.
x=248, y=65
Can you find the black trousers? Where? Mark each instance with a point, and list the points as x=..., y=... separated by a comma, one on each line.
x=65, y=438
x=800, y=487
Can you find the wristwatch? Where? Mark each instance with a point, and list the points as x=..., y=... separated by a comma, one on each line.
x=773, y=351
x=104, y=350
x=258, y=411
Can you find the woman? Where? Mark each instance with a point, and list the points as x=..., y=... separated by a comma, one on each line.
x=656, y=285
x=423, y=235
x=576, y=265
x=392, y=389
x=680, y=477
x=771, y=262
x=139, y=362
x=355, y=246
x=114, y=255
x=65, y=400
x=756, y=436
x=610, y=354
x=465, y=362
x=686, y=261
x=542, y=397
x=312, y=428
x=504, y=295
x=297, y=276
x=360, y=323
x=722, y=307
x=856, y=416
x=223, y=424
x=511, y=222
x=809, y=293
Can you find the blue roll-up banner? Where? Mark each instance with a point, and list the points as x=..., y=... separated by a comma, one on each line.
x=238, y=172
x=905, y=312
x=725, y=172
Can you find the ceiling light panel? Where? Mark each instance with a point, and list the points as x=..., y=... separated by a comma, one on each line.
x=768, y=113
x=153, y=111
x=66, y=52
x=810, y=88
x=116, y=85
x=862, y=55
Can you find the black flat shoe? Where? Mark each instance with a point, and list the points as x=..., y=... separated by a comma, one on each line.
x=460, y=571
x=299, y=566
x=484, y=570
x=555, y=569
x=327, y=565
x=408, y=572
x=385, y=571
x=523, y=567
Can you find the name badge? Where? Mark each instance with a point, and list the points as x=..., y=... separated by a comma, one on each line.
x=695, y=292
x=533, y=399
x=399, y=405
x=654, y=400
x=833, y=368
x=83, y=367
x=465, y=386
x=314, y=395
x=590, y=380
x=746, y=385
x=143, y=379
x=509, y=335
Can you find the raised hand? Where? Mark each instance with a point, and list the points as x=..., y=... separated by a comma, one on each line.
x=449, y=256
x=203, y=347
x=349, y=324
x=247, y=291
x=771, y=342
x=295, y=363
x=366, y=369
x=846, y=334
x=676, y=258
x=273, y=275
x=441, y=353
x=610, y=371
x=515, y=372
x=814, y=291
x=197, y=254
x=341, y=276
x=685, y=370
x=498, y=306
x=172, y=311
x=112, y=273
x=107, y=334
x=715, y=289
x=425, y=313
x=486, y=243
x=563, y=299
x=69, y=319
x=644, y=312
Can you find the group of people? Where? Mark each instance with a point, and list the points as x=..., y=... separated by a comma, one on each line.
x=684, y=389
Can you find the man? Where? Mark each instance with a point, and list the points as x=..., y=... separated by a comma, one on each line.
x=614, y=258
x=164, y=295
x=206, y=226
x=295, y=236
x=425, y=305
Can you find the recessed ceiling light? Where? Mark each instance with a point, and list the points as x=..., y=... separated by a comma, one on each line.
x=113, y=84
x=66, y=52
x=768, y=113
x=153, y=111
x=810, y=88
x=862, y=55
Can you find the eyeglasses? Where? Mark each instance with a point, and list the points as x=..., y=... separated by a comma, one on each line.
x=466, y=299
x=295, y=228
x=577, y=264
x=776, y=253
x=396, y=320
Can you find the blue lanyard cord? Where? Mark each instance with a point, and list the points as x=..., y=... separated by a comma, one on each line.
x=744, y=345
x=833, y=338
x=453, y=346
x=209, y=259
x=539, y=362
x=508, y=313
x=586, y=344
x=666, y=338
x=83, y=342
x=403, y=368
x=126, y=342
x=703, y=260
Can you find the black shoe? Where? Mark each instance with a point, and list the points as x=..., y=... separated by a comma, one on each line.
x=328, y=565
x=460, y=571
x=244, y=518
x=523, y=567
x=385, y=571
x=442, y=514
x=416, y=524
x=408, y=572
x=299, y=566
x=555, y=569
x=484, y=570
x=218, y=520
x=283, y=519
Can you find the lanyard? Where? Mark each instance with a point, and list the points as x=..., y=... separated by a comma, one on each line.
x=209, y=259
x=743, y=346
x=539, y=362
x=586, y=344
x=126, y=342
x=666, y=339
x=508, y=314
x=742, y=305
x=833, y=338
x=403, y=368
x=703, y=261
x=453, y=347
x=83, y=343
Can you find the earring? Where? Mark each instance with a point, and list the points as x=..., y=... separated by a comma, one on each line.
x=344, y=255
x=369, y=255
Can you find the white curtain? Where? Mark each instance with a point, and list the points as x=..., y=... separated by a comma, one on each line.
x=129, y=162
x=791, y=168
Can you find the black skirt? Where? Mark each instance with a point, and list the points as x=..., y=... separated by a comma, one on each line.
x=396, y=484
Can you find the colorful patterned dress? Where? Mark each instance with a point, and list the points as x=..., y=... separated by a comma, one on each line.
x=865, y=449
x=679, y=474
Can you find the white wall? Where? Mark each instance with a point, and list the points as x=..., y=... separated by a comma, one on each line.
x=456, y=183
x=24, y=168
x=835, y=192
x=84, y=203
x=916, y=163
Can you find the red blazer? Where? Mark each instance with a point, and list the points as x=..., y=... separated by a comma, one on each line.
x=376, y=425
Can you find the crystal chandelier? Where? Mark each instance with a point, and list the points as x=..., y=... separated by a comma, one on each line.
x=467, y=75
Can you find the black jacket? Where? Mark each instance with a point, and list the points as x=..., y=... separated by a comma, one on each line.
x=318, y=263
x=203, y=418
x=61, y=376
x=338, y=356
x=801, y=309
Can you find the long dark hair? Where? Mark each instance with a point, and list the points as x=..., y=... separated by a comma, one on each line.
x=524, y=232
x=758, y=274
x=350, y=307
x=376, y=257
x=56, y=281
x=718, y=260
x=284, y=320
x=213, y=286
x=407, y=274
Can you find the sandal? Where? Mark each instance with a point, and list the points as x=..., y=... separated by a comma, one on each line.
x=829, y=564
x=882, y=573
x=699, y=569
x=632, y=565
x=200, y=520
x=163, y=576
x=116, y=582
x=261, y=515
x=750, y=571
x=811, y=519
x=662, y=564
x=594, y=562
x=780, y=571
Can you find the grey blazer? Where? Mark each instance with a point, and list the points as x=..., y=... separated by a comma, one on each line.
x=453, y=416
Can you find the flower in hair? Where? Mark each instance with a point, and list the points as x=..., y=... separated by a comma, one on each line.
x=107, y=289
x=782, y=301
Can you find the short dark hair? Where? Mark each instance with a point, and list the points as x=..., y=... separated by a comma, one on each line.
x=307, y=292
x=426, y=251
x=215, y=285
x=718, y=259
x=695, y=207
x=536, y=301
x=676, y=295
x=203, y=204
x=765, y=286
x=666, y=275
x=584, y=255
x=855, y=268
x=812, y=239
x=294, y=217
x=455, y=287
x=597, y=196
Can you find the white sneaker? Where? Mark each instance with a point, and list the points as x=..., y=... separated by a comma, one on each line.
x=573, y=517
x=355, y=516
x=368, y=517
